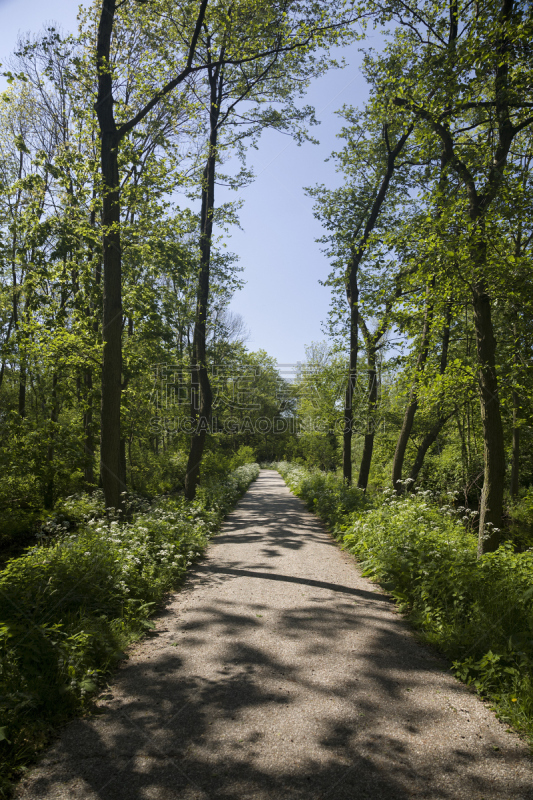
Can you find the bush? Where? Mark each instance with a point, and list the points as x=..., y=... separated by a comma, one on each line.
x=479, y=612
x=71, y=604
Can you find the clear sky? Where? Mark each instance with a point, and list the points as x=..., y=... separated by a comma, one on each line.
x=282, y=303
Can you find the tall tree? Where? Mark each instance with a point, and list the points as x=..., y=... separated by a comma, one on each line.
x=464, y=72
x=357, y=216
x=111, y=136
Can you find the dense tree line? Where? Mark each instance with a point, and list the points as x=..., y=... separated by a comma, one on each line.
x=430, y=235
x=104, y=275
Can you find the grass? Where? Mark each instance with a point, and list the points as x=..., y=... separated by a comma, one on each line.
x=71, y=604
x=478, y=612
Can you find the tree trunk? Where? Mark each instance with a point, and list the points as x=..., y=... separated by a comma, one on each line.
x=368, y=447
x=409, y=416
x=353, y=299
x=110, y=465
x=111, y=330
x=429, y=439
x=403, y=440
x=493, y=442
x=201, y=394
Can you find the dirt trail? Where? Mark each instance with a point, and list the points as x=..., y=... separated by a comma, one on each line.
x=279, y=673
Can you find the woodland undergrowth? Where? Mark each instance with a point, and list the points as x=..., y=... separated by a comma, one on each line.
x=477, y=611
x=72, y=603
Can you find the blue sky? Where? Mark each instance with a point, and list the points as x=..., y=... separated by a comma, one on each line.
x=282, y=302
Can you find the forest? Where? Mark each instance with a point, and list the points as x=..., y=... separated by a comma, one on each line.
x=129, y=400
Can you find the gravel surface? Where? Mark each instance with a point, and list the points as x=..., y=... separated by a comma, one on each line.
x=279, y=672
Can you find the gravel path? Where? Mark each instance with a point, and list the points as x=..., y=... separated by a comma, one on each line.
x=279, y=673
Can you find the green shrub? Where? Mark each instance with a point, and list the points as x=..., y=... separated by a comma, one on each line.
x=215, y=464
x=70, y=605
x=244, y=455
x=479, y=612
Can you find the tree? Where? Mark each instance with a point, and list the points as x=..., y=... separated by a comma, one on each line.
x=276, y=28
x=320, y=387
x=357, y=216
x=111, y=136
x=467, y=75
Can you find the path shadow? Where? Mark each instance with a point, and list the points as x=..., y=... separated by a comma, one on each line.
x=333, y=587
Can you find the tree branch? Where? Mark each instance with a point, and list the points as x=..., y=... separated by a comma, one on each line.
x=190, y=70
